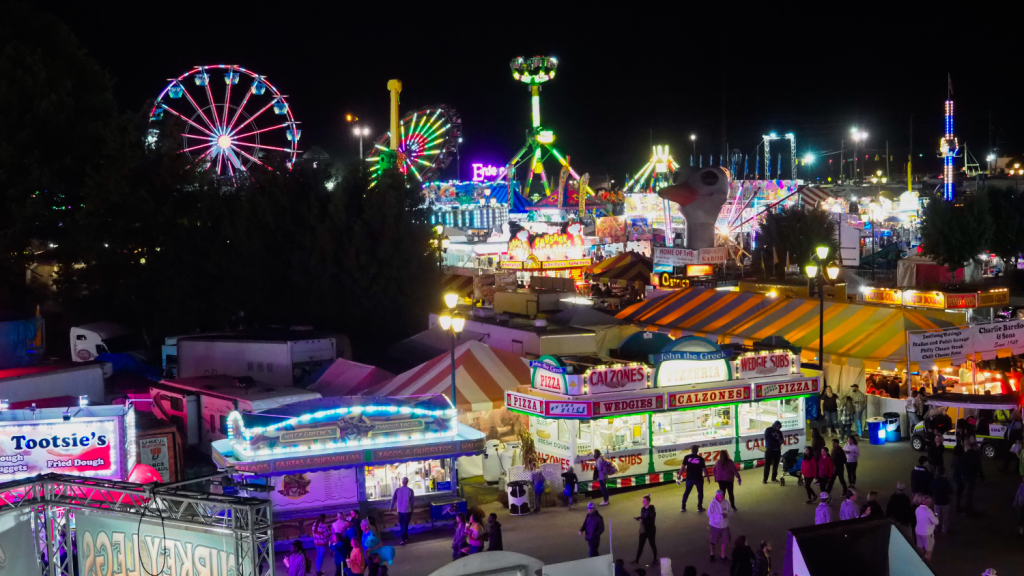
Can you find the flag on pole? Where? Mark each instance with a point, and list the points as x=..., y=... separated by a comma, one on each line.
x=787, y=261
x=762, y=262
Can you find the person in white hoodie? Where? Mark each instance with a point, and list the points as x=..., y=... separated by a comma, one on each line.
x=925, y=530
x=718, y=517
x=823, y=514
x=848, y=510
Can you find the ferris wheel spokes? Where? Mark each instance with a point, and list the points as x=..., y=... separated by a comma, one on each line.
x=251, y=118
x=240, y=106
x=242, y=152
x=176, y=113
x=236, y=143
x=213, y=107
x=194, y=105
x=234, y=136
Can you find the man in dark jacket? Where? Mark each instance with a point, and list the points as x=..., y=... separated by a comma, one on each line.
x=900, y=509
x=773, y=440
x=838, y=466
x=942, y=492
x=921, y=477
x=494, y=533
x=593, y=527
x=970, y=472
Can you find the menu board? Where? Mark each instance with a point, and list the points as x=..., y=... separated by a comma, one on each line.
x=629, y=463
x=669, y=459
x=752, y=445
x=315, y=489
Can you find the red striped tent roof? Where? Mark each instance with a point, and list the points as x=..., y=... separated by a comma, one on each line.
x=482, y=375
x=623, y=269
x=814, y=194
x=348, y=378
x=461, y=285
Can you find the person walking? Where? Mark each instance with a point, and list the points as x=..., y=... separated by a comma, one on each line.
x=809, y=470
x=726, y=474
x=838, y=466
x=593, y=527
x=921, y=477
x=296, y=561
x=970, y=472
x=1018, y=502
x=340, y=550
x=942, y=494
x=852, y=456
x=742, y=558
x=848, y=509
x=537, y=479
x=355, y=565
x=1014, y=434
x=459, y=540
x=823, y=514
x=372, y=546
x=763, y=560
x=913, y=408
x=825, y=470
x=602, y=470
x=956, y=464
x=403, y=499
x=695, y=470
x=494, y=533
x=817, y=441
x=925, y=529
x=871, y=507
x=900, y=510
x=648, y=530
x=860, y=403
x=718, y=519
x=846, y=413
x=936, y=453
x=570, y=480
x=321, y=540
x=475, y=534
x=830, y=408
x=773, y=439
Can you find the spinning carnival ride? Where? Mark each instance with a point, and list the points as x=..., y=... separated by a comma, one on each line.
x=655, y=175
x=223, y=134
x=427, y=144
x=534, y=72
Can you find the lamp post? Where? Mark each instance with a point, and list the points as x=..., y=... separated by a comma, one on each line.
x=440, y=243
x=858, y=135
x=453, y=322
x=458, y=161
x=361, y=132
x=693, y=139
x=816, y=271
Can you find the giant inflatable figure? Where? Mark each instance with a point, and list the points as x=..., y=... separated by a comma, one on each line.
x=700, y=194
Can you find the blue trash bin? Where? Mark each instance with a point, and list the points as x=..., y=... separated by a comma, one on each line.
x=876, y=430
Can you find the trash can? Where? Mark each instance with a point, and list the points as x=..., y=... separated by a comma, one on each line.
x=519, y=497
x=892, y=426
x=876, y=430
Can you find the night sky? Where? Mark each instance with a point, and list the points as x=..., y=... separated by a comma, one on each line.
x=620, y=82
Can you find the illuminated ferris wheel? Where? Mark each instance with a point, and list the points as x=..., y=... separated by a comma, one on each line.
x=228, y=132
x=427, y=144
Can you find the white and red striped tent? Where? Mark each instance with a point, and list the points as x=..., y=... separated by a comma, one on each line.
x=348, y=378
x=812, y=195
x=482, y=375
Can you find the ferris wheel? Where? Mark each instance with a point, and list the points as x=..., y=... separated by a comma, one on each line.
x=428, y=141
x=228, y=134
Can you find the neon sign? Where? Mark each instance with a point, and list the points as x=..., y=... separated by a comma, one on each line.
x=482, y=172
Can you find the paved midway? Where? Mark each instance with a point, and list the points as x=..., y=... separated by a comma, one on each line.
x=765, y=511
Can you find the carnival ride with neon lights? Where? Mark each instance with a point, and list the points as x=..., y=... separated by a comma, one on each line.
x=533, y=72
x=224, y=134
x=427, y=143
x=656, y=174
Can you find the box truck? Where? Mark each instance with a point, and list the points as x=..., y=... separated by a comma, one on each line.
x=278, y=357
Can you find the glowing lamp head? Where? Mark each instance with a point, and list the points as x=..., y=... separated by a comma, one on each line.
x=821, y=251
x=832, y=271
x=224, y=141
x=458, y=323
x=812, y=270
x=445, y=321
x=451, y=299
x=809, y=159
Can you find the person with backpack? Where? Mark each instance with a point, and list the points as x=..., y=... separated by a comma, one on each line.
x=570, y=480
x=695, y=470
x=603, y=469
x=296, y=561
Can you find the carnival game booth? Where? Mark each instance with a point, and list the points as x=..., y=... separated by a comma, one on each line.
x=335, y=454
x=645, y=418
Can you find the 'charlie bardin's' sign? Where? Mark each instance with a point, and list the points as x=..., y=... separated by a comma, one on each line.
x=766, y=364
x=691, y=360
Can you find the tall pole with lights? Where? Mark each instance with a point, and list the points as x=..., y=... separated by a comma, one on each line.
x=693, y=139
x=816, y=271
x=453, y=322
x=361, y=132
x=858, y=137
x=949, y=148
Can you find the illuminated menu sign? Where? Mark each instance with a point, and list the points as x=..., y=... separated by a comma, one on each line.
x=700, y=270
x=616, y=378
x=781, y=389
x=765, y=364
x=683, y=372
x=693, y=398
x=938, y=300
x=667, y=281
x=883, y=296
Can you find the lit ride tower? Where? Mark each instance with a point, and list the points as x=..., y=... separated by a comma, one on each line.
x=949, y=149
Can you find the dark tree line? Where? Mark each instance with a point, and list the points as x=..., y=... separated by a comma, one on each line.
x=142, y=238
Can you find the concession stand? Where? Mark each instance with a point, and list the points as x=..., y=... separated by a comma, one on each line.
x=333, y=454
x=646, y=417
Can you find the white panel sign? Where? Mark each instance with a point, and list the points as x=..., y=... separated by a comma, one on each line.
x=931, y=346
x=676, y=256
x=999, y=335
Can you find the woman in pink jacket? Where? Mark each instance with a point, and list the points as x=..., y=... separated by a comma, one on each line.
x=809, y=470
x=726, y=474
x=825, y=469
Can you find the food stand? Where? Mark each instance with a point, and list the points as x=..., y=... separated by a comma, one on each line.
x=646, y=417
x=333, y=454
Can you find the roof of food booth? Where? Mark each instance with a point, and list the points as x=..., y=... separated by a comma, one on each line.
x=873, y=335
x=627, y=267
x=345, y=378
x=482, y=375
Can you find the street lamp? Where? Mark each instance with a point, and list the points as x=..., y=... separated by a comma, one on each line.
x=858, y=136
x=440, y=243
x=693, y=139
x=817, y=270
x=361, y=132
x=458, y=161
x=453, y=322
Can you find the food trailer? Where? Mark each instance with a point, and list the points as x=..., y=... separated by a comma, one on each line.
x=646, y=417
x=333, y=454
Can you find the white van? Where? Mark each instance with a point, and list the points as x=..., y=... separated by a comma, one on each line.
x=91, y=340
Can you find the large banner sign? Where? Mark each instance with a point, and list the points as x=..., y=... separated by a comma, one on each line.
x=19, y=550
x=958, y=343
x=115, y=546
x=82, y=447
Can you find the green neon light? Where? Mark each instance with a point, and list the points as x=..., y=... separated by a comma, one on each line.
x=536, y=109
